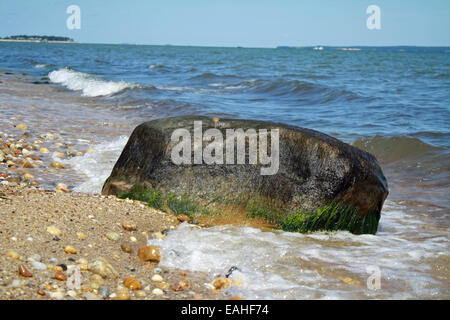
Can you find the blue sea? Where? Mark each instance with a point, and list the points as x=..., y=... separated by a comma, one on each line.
x=391, y=101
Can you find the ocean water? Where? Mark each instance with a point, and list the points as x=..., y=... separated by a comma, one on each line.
x=392, y=102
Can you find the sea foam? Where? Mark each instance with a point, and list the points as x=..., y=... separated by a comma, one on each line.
x=90, y=85
x=97, y=165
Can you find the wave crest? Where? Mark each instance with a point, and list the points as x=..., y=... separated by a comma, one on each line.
x=90, y=85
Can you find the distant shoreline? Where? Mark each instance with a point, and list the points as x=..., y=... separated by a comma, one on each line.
x=36, y=41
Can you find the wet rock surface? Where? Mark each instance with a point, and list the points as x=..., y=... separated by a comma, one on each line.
x=314, y=169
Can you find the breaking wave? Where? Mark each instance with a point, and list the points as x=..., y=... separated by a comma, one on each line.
x=90, y=85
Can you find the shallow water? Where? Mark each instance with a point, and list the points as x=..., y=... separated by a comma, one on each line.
x=392, y=103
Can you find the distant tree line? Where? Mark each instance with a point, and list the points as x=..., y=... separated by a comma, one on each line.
x=38, y=38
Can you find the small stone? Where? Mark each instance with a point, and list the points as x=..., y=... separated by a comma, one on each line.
x=141, y=293
x=122, y=294
x=132, y=284
x=54, y=231
x=113, y=236
x=43, y=150
x=183, y=218
x=103, y=268
x=22, y=126
x=34, y=257
x=56, y=295
x=63, y=266
x=70, y=249
x=38, y=265
x=60, y=276
x=133, y=239
x=24, y=272
x=104, y=291
x=28, y=176
x=157, y=292
x=157, y=278
x=13, y=255
x=40, y=292
x=56, y=164
x=125, y=248
x=81, y=235
x=236, y=298
x=129, y=225
x=221, y=283
x=62, y=187
x=180, y=286
x=149, y=253
x=72, y=293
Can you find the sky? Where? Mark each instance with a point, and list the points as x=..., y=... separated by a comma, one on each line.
x=246, y=23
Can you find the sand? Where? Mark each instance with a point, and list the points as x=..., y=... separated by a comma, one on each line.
x=27, y=212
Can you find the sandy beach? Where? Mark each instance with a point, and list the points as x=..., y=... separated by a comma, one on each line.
x=38, y=226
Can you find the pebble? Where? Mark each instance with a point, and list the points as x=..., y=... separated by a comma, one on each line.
x=125, y=248
x=141, y=293
x=40, y=292
x=72, y=293
x=13, y=255
x=60, y=276
x=38, y=265
x=157, y=292
x=113, y=236
x=104, y=291
x=122, y=294
x=183, y=218
x=70, y=249
x=81, y=235
x=24, y=272
x=149, y=253
x=54, y=231
x=43, y=150
x=157, y=278
x=180, y=286
x=62, y=187
x=56, y=295
x=221, y=283
x=56, y=164
x=132, y=284
x=15, y=284
x=103, y=268
x=28, y=176
x=22, y=126
x=129, y=225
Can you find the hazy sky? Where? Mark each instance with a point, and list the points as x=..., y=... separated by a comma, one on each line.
x=249, y=23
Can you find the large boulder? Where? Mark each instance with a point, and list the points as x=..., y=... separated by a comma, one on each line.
x=334, y=184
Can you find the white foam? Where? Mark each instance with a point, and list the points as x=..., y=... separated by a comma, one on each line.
x=97, y=165
x=41, y=66
x=90, y=85
x=285, y=265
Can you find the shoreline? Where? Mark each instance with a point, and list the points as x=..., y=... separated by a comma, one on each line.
x=36, y=41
